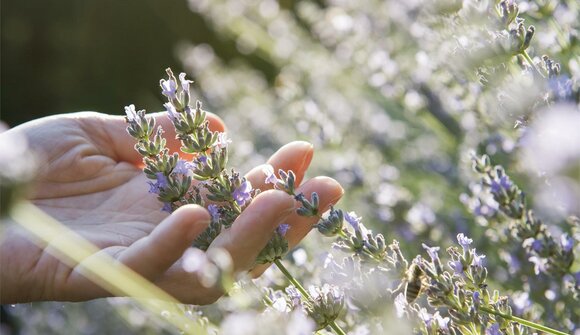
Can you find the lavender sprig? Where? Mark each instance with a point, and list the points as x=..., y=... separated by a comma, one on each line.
x=172, y=179
x=549, y=256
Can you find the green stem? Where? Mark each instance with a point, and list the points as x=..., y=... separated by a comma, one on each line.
x=521, y=321
x=524, y=53
x=292, y=280
x=300, y=288
x=531, y=62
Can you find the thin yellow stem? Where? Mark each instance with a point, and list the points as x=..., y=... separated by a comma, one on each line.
x=102, y=269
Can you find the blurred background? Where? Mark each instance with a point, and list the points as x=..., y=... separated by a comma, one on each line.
x=393, y=94
x=67, y=56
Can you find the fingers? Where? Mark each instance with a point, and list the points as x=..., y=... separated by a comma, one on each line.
x=254, y=227
x=152, y=255
x=295, y=156
x=123, y=144
x=329, y=192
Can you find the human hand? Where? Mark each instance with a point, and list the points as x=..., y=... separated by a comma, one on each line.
x=92, y=182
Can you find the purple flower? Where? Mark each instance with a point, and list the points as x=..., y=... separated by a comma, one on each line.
x=167, y=207
x=537, y=245
x=168, y=88
x=503, y=183
x=184, y=82
x=153, y=187
x=294, y=295
x=160, y=184
x=222, y=141
x=456, y=266
x=201, y=160
x=425, y=316
x=182, y=167
x=540, y=264
x=401, y=305
x=282, y=229
x=131, y=113
x=243, y=193
x=432, y=251
x=162, y=181
x=521, y=302
x=561, y=87
x=353, y=220
x=567, y=242
x=477, y=260
x=464, y=241
x=442, y=322
x=493, y=330
x=214, y=212
x=476, y=298
x=171, y=112
x=270, y=176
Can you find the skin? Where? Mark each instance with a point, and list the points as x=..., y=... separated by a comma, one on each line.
x=91, y=181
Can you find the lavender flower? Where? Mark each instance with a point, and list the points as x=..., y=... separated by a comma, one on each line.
x=162, y=180
x=171, y=112
x=213, y=210
x=182, y=167
x=282, y=229
x=222, y=141
x=184, y=82
x=328, y=302
x=540, y=264
x=294, y=295
x=567, y=243
x=478, y=260
x=167, y=207
x=270, y=175
x=442, y=322
x=476, y=298
x=201, y=160
x=131, y=113
x=168, y=88
x=464, y=242
x=243, y=194
x=432, y=251
x=160, y=183
x=425, y=316
x=401, y=305
x=493, y=330
x=353, y=220
x=456, y=266
x=503, y=184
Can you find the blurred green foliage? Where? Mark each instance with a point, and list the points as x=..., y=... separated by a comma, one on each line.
x=67, y=56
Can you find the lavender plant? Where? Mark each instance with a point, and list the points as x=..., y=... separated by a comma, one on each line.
x=172, y=181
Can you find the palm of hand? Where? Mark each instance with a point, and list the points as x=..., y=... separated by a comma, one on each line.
x=90, y=181
x=86, y=188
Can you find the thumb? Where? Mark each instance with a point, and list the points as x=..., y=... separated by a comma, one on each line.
x=152, y=255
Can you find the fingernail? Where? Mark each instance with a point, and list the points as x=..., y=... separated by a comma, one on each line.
x=308, y=157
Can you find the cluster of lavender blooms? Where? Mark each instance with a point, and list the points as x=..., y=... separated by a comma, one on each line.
x=172, y=178
x=376, y=273
x=457, y=298
x=542, y=255
x=548, y=254
x=177, y=182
